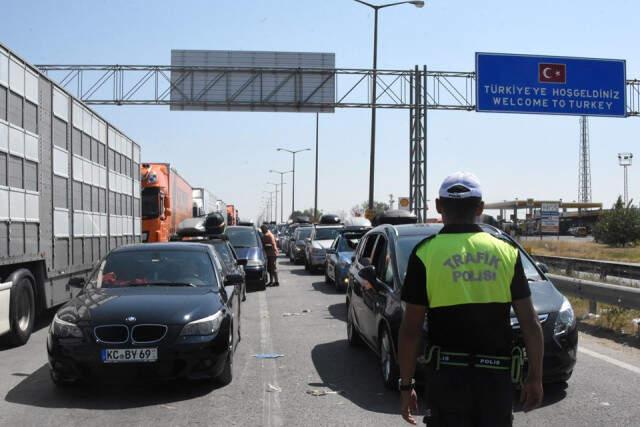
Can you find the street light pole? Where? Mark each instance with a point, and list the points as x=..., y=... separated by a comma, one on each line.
x=275, y=218
x=282, y=173
x=374, y=87
x=315, y=197
x=293, y=172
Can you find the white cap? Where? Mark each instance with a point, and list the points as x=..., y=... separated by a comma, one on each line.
x=460, y=185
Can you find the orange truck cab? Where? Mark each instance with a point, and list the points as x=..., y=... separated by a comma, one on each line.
x=166, y=201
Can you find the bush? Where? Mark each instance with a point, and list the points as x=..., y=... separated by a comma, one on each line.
x=620, y=226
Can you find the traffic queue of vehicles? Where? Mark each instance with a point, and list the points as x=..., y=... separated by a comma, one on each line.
x=374, y=307
x=72, y=189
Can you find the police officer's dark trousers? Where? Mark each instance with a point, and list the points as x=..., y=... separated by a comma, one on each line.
x=466, y=396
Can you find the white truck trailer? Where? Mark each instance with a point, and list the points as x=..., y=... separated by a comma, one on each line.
x=69, y=192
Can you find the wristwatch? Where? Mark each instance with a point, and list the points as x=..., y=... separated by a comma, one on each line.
x=406, y=387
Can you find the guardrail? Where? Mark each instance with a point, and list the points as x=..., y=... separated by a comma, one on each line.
x=602, y=268
x=623, y=296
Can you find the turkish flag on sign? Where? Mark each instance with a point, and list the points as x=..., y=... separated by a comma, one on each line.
x=552, y=73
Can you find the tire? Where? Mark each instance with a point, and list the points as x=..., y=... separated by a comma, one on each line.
x=244, y=292
x=327, y=279
x=22, y=308
x=61, y=382
x=226, y=376
x=388, y=363
x=353, y=336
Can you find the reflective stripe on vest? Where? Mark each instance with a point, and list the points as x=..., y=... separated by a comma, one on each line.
x=467, y=268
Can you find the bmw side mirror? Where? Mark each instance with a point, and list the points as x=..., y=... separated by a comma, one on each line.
x=543, y=267
x=76, y=282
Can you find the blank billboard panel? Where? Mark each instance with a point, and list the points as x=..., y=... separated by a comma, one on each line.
x=215, y=80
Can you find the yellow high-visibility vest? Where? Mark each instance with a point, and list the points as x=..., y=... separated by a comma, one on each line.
x=467, y=268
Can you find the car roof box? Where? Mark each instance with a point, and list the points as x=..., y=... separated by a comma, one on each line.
x=356, y=221
x=302, y=219
x=191, y=227
x=395, y=217
x=214, y=223
x=330, y=219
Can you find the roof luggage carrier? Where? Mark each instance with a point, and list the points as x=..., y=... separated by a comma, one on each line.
x=395, y=217
x=208, y=227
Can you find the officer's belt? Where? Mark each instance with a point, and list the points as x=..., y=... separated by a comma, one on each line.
x=467, y=360
x=513, y=363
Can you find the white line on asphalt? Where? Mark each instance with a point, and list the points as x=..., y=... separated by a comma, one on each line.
x=271, y=410
x=611, y=360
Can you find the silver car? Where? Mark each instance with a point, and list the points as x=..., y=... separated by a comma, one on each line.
x=316, y=245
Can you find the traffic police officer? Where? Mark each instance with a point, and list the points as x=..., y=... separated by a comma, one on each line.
x=466, y=280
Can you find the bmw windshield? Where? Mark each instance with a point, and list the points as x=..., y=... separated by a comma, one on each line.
x=154, y=268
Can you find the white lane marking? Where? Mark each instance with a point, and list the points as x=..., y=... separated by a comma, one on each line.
x=611, y=360
x=271, y=409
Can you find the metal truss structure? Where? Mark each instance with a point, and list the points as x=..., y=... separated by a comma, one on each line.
x=418, y=145
x=416, y=90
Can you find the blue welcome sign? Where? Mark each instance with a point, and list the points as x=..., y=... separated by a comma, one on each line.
x=509, y=83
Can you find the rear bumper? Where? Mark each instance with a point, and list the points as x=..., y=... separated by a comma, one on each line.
x=317, y=260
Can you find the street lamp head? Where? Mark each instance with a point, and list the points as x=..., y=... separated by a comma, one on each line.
x=418, y=3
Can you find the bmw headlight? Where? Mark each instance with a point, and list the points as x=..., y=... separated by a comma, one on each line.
x=207, y=326
x=63, y=329
x=254, y=263
x=566, y=319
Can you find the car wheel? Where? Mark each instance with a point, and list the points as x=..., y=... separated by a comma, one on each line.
x=244, y=292
x=327, y=279
x=353, y=336
x=58, y=381
x=226, y=375
x=388, y=363
x=22, y=309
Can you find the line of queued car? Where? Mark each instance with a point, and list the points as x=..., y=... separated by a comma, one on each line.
x=160, y=311
x=374, y=307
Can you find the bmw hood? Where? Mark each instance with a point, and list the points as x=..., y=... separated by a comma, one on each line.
x=322, y=244
x=164, y=305
x=248, y=253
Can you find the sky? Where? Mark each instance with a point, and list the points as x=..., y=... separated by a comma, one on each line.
x=230, y=153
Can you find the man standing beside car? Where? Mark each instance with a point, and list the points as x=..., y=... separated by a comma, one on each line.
x=271, y=251
x=466, y=280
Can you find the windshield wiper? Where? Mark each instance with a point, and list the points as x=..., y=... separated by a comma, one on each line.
x=163, y=284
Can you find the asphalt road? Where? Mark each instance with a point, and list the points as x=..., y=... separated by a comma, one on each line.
x=603, y=391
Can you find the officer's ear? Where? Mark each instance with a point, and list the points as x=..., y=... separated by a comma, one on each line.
x=439, y=206
x=480, y=208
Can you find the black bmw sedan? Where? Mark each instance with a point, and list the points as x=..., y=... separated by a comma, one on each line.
x=375, y=311
x=155, y=311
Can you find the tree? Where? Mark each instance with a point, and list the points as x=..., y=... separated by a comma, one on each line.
x=307, y=212
x=360, y=209
x=620, y=226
